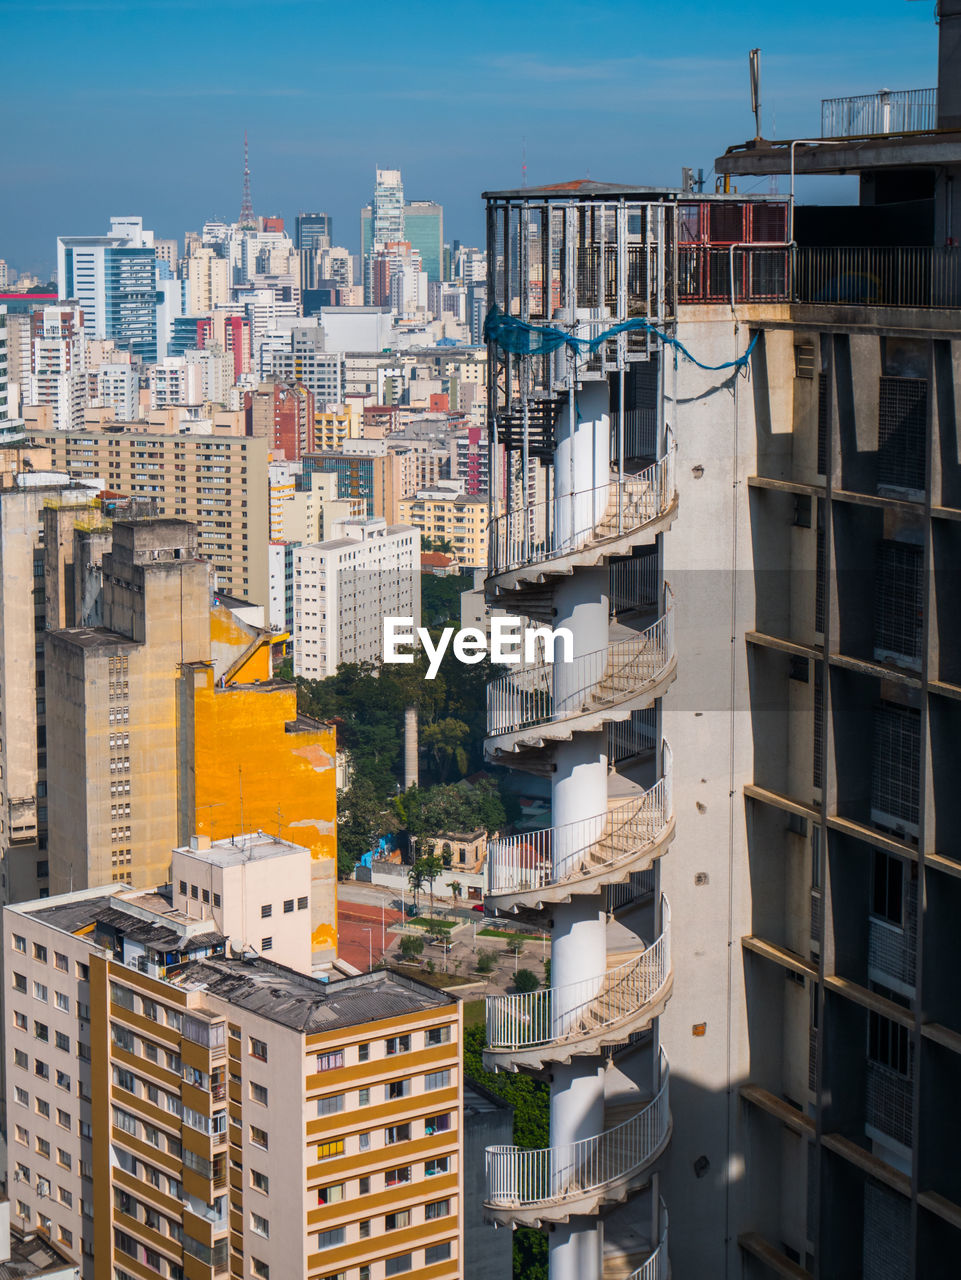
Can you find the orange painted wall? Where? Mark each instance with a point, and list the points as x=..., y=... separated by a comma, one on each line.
x=287, y=779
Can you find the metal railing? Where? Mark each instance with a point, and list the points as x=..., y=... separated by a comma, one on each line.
x=567, y=523
x=540, y=859
x=536, y=1018
x=520, y=1178
x=760, y=274
x=656, y=1266
x=879, y=275
x=547, y=692
x=633, y=583
x=887, y=111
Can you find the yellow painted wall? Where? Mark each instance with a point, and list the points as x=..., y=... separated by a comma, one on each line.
x=287, y=779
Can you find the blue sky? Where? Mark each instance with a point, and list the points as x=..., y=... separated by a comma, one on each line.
x=139, y=106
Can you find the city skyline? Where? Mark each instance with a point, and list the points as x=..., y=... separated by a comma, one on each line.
x=466, y=128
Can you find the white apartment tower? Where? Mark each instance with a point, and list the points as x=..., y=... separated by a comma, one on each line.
x=346, y=586
x=58, y=365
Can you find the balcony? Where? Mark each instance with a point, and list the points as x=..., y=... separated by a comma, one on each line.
x=553, y=1184
x=541, y=867
x=545, y=702
x=887, y=111
x=532, y=543
x=925, y=276
x=534, y=1028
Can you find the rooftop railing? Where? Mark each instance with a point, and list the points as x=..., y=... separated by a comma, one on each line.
x=887, y=111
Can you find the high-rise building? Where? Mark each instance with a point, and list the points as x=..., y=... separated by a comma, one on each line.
x=217, y=481
x=208, y=281
x=305, y=360
x=11, y=426
x=375, y=478
x=313, y=231
x=57, y=365
x=284, y=413
x=641, y=734
x=452, y=519
x=114, y=280
x=346, y=586
x=424, y=228
x=182, y=1106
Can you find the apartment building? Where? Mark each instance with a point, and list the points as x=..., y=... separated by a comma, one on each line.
x=178, y=1111
x=57, y=375
x=457, y=519
x=217, y=481
x=376, y=478
x=345, y=587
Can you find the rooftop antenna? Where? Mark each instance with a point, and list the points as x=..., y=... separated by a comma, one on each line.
x=246, y=207
x=754, y=62
x=523, y=162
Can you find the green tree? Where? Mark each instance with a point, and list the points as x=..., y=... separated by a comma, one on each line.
x=415, y=877
x=431, y=866
x=456, y=888
x=444, y=744
x=411, y=948
x=526, y=980
x=361, y=820
x=486, y=960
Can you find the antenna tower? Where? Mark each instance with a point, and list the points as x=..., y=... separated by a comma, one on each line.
x=246, y=207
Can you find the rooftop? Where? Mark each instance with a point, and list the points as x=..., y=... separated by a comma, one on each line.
x=146, y=917
x=34, y=1255
x=253, y=847
x=305, y=1004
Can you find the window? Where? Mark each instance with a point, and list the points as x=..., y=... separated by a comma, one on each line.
x=895, y=773
x=327, y=1149
x=260, y=1226
x=397, y=1266
x=395, y=1221
x=194, y=892
x=266, y=944
x=63, y=1080
x=40, y=1031
x=21, y=1096
x=288, y=906
x=331, y=1105
x=40, y=952
x=258, y=1049
x=437, y=1253
x=888, y=890
x=61, y=962
x=330, y=1195
x=43, y=1148
x=363, y=1141
x=63, y=1118
x=41, y=1069
x=64, y=1159
x=266, y=911
x=437, y=1080
x=40, y=992
x=301, y=904
x=260, y=1181
x=22, y=1135
x=62, y=1041
x=43, y=1108
x=330, y=1061
x=183, y=888
x=398, y=1044
x=364, y=1226
x=363, y=1097
x=330, y=1239
x=436, y=1209
x=363, y=1053
x=437, y=1035
x=437, y=1124
x=258, y=1093
x=397, y=1133
x=889, y=1044
x=19, y=944
x=20, y=983
x=63, y=1002
x=260, y=1269
x=20, y=1058
x=440, y=1165
x=20, y=1020
x=397, y=1089
x=258, y=1137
